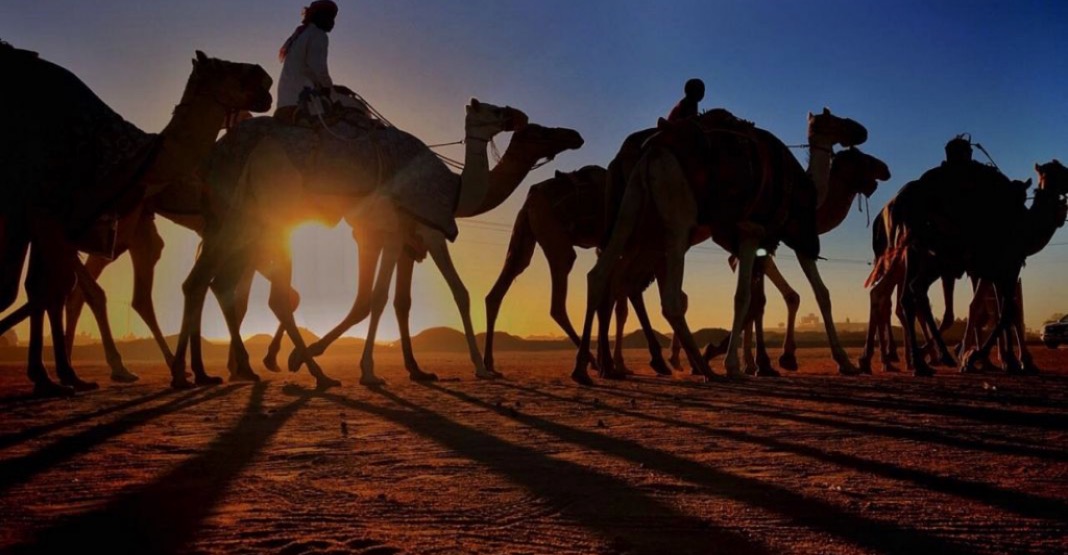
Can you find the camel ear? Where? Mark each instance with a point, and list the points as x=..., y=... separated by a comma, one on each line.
x=201, y=57
x=1037, y=169
x=826, y=111
x=474, y=103
x=662, y=123
x=1027, y=184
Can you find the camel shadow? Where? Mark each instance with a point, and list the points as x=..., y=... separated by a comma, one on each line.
x=164, y=515
x=599, y=502
x=11, y=439
x=805, y=511
x=989, y=415
x=1021, y=503
x=21, y=469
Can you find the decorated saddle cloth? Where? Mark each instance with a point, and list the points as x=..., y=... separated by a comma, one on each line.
x=65, y=152
x=352, y=160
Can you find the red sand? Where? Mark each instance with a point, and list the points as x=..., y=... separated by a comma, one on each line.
x=534, y=464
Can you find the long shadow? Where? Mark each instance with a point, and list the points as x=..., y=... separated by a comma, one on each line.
x=990, y=415
x=8, y=440
x=549, y=479
x=20, y=469
x=813, y=513
x=164, y=516
x=1021, y=503
x=896, y=432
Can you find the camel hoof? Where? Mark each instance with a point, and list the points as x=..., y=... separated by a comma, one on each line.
x=581, y=377
x=181, y=384
x=922, y=370
x=735, y=373
x=889, y=368
x=420, y=376
x=204, y=380
x=295, y=361
x=487, y=374
x=788, y=362
x=660, y=367
x=271, y=364
x=244, y=376
x=864, y=366
x=767, y=372
x=615, y=375
x=124, y=376
x=77, y=384
x=847, y=369
x=675, y=363
x=892, y=356
x=1031, y=369
x=323, y=382
x=47, y=389
x=621, y=368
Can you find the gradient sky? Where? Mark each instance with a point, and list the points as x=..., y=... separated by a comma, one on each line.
x=915, y=73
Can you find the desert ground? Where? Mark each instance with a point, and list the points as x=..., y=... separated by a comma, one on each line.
x=807, y=463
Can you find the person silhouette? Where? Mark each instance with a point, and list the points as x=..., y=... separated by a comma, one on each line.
x=304, y=58
x=687, y=107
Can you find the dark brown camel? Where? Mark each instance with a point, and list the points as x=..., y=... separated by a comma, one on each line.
x=76, y=160
x=713, y=177
x=945, y=221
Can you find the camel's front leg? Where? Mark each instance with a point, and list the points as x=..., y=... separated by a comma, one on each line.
x=620, y=365
x=146, y=247
x=439, y=251
x=227, y=288
x=763, y=361
x=402, y=304
x=94, y=266
x=823, y=300
x=742, y=299
x=279, y=271
x=788, y=360
x=370, y=249
x=673, y=300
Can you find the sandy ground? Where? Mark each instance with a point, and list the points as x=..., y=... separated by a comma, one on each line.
x=811, y=463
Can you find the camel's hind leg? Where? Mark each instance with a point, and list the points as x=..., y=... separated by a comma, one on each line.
x=823, y=300
x=742, y=299
x=788, y=359
x=439, y=251
x=621, y=314
x=520, y=251
x=227, y=288
x=656, y=355
x=97, y=301
x=402, y=305
x=763, y=361
x=379, y=298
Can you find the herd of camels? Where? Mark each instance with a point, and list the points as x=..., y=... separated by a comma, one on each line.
x=80, y=179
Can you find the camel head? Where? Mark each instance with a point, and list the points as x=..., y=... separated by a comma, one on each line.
x=828, y=129
x=546, y=142
x=237, y=86
x=1053, y=177
x=859, y=171
x=485, y=120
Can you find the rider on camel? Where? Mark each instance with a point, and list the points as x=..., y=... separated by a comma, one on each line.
x=303, y=59
x=687, y=107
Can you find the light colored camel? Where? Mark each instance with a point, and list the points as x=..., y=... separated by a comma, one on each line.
x=57, y=219
x=270, y=197
x=943, y=235
x=529, y=145
x=713, y=177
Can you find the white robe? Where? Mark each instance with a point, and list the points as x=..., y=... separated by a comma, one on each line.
x=304, y=66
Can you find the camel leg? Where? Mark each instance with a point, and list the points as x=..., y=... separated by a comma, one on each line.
x=195, y=289
x=742, y=299
x=750, y=365
x=606, y=366
x=145, y=252
x=402, y=304
x=1003, y=289
x=1029, y=366
x=656, y=356
x=14, y=244
x=948, y=285
x=788, y=360
x=439, y=251
x=823, y=300
x=43, y=386
x=226, y=288
x=379, y=298
x=977, y=320
x=370, y=249
x=914, y=288
x=759, y=302
x=64, y=369
x=520, y=251
x=940, y=351
x=94, y=266
x=241, y=291
x=95, y=297
x=281, y=300
x=621, y=321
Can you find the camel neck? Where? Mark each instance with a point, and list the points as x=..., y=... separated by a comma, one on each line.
x=474, y=181
x=819, y=165
x=835, y=206
x=1043, y=220
x=504, y=178
x=187, y=139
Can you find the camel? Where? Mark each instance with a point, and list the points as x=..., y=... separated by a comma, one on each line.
x=529, y=145
x=254, y=208
x=714, y=177
x=848, y=173
x=944, y=220
x=59, y=207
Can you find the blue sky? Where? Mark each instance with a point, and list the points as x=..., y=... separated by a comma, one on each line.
x=915, y=73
